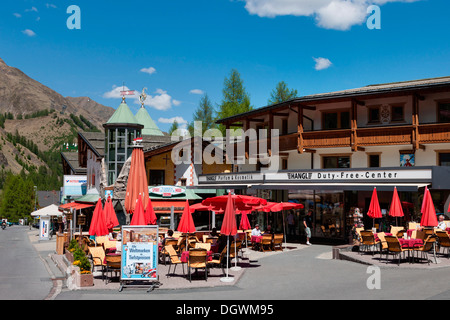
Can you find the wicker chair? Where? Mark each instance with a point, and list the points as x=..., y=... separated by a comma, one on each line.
x=444, y=241
x=218, y=260
x=427, y=247
x=113, y=264
x=266, y=242
x=174, y=259
x=197, y=260
x=163, y=252
x=277, y=242
x=394, y=247
x=97, y=256
x=368, y=239
x=383, y=243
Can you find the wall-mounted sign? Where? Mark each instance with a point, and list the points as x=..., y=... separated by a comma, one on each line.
x=75, y=185
x=167, y=191
x=232, y=178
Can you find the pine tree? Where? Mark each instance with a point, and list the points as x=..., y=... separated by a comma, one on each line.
x=282, y=93
x=203, y=113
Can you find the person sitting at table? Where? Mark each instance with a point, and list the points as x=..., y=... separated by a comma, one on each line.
x=256, y=231
x=442, y=225
x=214, y=232
x=169, y=236
x=268, y=230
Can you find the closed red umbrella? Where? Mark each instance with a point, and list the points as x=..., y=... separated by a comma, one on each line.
x=138, y=214
x=186, y=224
x=229, y=228
x=374, y=208
x=137, y=181
x=245, y=223
x=448, y=210
x=396, y=209
x=110, y=214
x=429, y=218
x=150, y=214
x=98, y=222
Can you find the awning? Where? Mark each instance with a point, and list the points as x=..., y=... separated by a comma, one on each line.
x=412, y=187
x=165, y=206
x=75, y=206
x=49, y=211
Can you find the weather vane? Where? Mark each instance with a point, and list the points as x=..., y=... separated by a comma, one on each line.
x=143, y=96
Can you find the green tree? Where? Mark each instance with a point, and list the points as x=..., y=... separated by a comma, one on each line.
x=18, y=197
x=203, y=113
x=235, y=99
x=281, y=93
x=173, y=127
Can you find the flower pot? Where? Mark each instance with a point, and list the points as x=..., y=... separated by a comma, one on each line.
x=69, y=256
x=85, y=280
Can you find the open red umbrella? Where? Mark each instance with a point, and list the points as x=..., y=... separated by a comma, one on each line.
x=137, y=181
x=138, y=214
x=186, y=224
x=150, y=215
x=241, y=202
x=110, y=214
x=98, y=222
x=396, y=209
x=429, y=218
x=374, y=208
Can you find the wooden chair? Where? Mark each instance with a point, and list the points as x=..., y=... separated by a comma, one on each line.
x=109, y=244
x=113, y=264
x=420, y=234
x=368, y=239
x=395, y=230
x=163, y=252
x=277, y=242
x=383, y=243
x=200, y=245
x=400, y=233
x=211, y=240
x=197, y=260
x=97, y=256
x=266, y=242
x=427, y=247
x=174, y=259
x=100, y=240
x=325, y=231
x=444, y=241
x=394, y=247
x=218, y=260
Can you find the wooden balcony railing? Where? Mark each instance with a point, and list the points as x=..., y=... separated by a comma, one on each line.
x=375, y=136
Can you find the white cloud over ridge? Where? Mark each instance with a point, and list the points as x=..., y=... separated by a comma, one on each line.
x=159, y=101
x=329, y=14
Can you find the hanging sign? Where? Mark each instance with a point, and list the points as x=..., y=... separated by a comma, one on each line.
x=167, y=191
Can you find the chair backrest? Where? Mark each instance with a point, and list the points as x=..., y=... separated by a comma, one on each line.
x=393, y=243
x=197, y=258
x=171, y=242
x=428, y=245
x=400, y=233
x=172, y=253
x=98, y=255
x=200, y=245
x=278, y=238
x=358, y=231
x=101, y=239
x=113, y=260
x=420, y=234
x=444, y=239
x=367, y=236
x=210, y=239
x=266, y=239
x=413, y=225
x=381, y=236
x=109, y=244
x=394, y=230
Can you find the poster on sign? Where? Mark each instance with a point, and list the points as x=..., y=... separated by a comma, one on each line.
x=44, y=228
x=139, y=253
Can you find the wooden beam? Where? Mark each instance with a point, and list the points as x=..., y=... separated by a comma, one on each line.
x=354, y=126
x=256, y=120
x=300, y=129
x=269, y=133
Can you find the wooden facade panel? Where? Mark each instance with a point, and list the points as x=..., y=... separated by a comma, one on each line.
x=385, y=136
x=326, y=139
x=434, y=133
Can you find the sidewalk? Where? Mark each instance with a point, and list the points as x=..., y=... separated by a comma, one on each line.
x=57, y=266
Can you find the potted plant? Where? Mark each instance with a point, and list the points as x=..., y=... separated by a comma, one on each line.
x=83, y=274
x=73, y=244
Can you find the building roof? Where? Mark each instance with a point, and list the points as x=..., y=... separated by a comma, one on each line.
x=150, y=127
x=402, y=87
x=71, y=158
x=122, y=116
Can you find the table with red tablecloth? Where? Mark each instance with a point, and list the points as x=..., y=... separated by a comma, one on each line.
x=185, y=256
x=410, y=243
x=376, y=235
x=256, y=239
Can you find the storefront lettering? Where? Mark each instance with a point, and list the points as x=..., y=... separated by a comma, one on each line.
x=300, y=176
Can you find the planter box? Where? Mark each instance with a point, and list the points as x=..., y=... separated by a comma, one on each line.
x=85, y=280
x=77, y=280
x=69, y=256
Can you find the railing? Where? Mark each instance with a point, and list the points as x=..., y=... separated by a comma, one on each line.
x=372, y=136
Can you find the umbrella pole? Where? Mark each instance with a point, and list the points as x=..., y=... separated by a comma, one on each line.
x=227, y=279
x=235, y=268
x=284, y=227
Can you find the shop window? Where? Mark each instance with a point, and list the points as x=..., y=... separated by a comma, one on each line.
x=336, y=119
x=444, y=159
x=334, y=162
x=444, y=112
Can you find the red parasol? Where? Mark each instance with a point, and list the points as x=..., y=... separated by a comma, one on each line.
x=137, y=181
x=285, y=206
x=110, y=215
x=429, y=218
x=241, y=202
x=374, y=208
x=200, y=207
x=186, y=224
x=396, y=209
x=138, y=215
x=448, y=210
x=229, y=220
x=98, y=223
x=245, y=223
x=150, y=215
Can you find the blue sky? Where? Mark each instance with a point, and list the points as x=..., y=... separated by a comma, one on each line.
x=193, y=45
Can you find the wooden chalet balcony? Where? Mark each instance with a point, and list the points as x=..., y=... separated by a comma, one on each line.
x=363, y=137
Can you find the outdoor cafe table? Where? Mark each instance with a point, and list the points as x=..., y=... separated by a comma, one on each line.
x=410, y=244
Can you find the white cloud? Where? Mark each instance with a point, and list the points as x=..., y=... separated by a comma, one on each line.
x=179, y=120
x=50, y=5
x=29, y=32
x=196, y=91
x=17, y=15
x=329, y=14
x=149, y=70
x=115, y=93
x=322, y=63
x=32, y=9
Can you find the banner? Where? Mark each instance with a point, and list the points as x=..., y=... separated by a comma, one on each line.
x=139, y=253
x=44, y=228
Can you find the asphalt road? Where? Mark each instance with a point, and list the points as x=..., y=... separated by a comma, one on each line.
x=306, y=274
x=23, y=275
